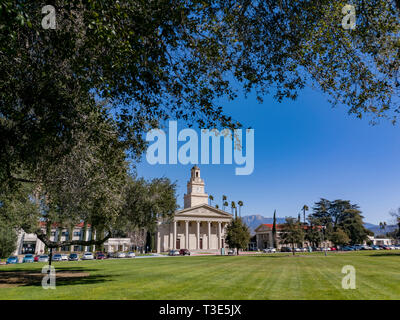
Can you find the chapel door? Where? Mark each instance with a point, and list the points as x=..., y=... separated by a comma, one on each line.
x=178, y=243
x=201, y=243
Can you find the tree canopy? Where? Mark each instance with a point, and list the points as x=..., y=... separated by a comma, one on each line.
x=154, y=60
x=237, y=234
x=340, y=215
x=76, y=100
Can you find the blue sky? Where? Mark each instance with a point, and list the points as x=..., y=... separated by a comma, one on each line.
x=304, y=150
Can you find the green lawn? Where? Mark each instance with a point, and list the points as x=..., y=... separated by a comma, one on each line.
x=268, y=276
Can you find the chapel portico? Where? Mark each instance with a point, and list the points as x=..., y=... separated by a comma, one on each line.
x=198, y=227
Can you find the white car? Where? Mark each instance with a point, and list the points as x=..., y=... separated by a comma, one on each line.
x=121, y=255
x=43, y=258
x=269, y=250
x=130, y=255
x=173, y=253
x=64, y=257
x=87, y=256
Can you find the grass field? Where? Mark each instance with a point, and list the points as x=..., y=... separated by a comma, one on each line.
x=268, y=276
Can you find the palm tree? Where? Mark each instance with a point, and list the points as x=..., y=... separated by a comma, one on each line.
x=217, y=206
x=382, y=225
x=226, y=204
x=305, y=208
x=224, y=198
x=211, y=199
x=240, y=203
x=233, y=206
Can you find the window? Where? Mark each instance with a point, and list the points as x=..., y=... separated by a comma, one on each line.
x=77, y=234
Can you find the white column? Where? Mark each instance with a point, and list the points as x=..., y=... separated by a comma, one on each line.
x=158, y=241
x=219, y=235
x=186, y=234
x=198, y=235
x=174, y=239
x=209, y=235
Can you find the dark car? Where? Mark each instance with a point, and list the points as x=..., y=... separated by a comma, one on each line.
x=73, y=257
x=286, y=249
x=110, y=255
x=100, y=256
x=184, y=252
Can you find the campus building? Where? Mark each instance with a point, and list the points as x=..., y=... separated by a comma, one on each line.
x=264, y=238
x=198, y=227
x=29, y=243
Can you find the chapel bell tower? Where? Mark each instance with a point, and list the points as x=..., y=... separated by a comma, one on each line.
x=195, y=190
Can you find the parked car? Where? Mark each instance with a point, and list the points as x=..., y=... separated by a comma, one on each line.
x=28, y=258
x=173, y=253
x=87, y=256
x=12, y=259
x=286, y=249
x=376, y=248
x=348, y=248
x=100, y=256
x=269, y=250
x=130, y=254
x=231, y=252
x=333, y=249
x=184, y=252
x=73, y=257
x=120, y=255
x=386, y=247
x=36, y=258
x=57, y=257
x=110, y=255
x=44, y=258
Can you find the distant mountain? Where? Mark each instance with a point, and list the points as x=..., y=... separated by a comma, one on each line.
x=377, y=230
x=253, y=221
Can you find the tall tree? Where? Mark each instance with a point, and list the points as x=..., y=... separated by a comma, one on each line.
x=8, y=239
x=224, y=198
x=340, y=214
x=396, y=215
x=240, y=204
x=211, y=199
x=292, y=233
x=339, y=237
x=233, y=206
x=274, y=237
x=238, y=234
x=305, y=208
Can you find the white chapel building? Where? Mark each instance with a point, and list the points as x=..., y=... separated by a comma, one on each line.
x=198, y=227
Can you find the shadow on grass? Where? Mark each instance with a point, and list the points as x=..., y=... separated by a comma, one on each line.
x=64, y=276
x=386, y=254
